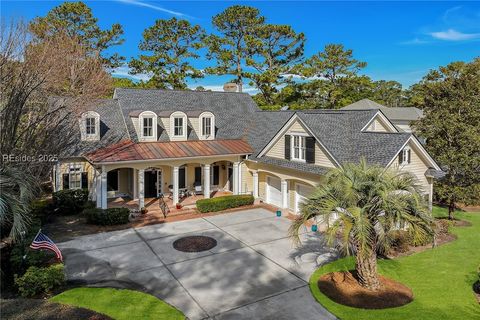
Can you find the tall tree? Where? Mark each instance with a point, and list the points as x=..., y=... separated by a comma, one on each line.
x=363, y=204
x=273, y=51
x=173, y=45
x=336, y=65
x=76, y=20
x=451, y=106
x=230, y=49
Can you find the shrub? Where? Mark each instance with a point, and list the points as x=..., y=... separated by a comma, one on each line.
x=225, y=202
x=40, y=280
x=107, y=217
x=43, y=209
x=401, y=240
x=70, y=201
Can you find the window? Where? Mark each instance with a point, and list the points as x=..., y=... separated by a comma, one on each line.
x=206, y=126
x=148, y=127
x=298, y=148
x=405, y=156
x=178, y=126
x=75, y=177
x=90, y=126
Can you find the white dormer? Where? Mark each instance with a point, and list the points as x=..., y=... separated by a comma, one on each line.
x=178, y=126
x=147, y=121
x=207, y=126
x=90, y=126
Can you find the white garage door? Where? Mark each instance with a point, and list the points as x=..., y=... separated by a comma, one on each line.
x=274, y=191
x=302, y=193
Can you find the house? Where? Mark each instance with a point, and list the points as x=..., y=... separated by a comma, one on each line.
x=401, y=117
x=144, y=142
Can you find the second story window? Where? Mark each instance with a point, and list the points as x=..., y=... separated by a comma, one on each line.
x=405, y=156
x=90, y=126
x=178, y=126
x=148, y=127
x=206, y=126
x=298, y=148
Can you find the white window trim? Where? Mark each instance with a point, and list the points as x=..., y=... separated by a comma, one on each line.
x=212, y=126
x=83, y=124
x=302, y=146
x=148, y=114
x=178, y=114
x=405, y=156
x=74, y=167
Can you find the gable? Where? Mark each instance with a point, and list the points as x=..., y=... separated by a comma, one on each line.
x=379, y=123
x=277, y=150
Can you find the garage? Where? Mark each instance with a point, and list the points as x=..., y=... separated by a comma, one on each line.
x=302, y=192
x=274, y=191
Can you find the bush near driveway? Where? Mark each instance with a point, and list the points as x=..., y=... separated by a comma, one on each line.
x=225, y=202
x=70, y=201
x=107, y=217
x=441, y=279
x=40, y=280
x=120, y=304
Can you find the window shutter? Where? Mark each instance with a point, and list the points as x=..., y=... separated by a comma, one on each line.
x=84, y=180
x=310, y=149
x=287, y=147
x=400, y=157
x=66, y=181
x=216, y=174
x=409, y=156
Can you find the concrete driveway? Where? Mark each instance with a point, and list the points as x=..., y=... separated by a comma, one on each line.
x=254, y=272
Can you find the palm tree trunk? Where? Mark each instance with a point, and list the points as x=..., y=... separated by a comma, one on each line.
x=366, y=267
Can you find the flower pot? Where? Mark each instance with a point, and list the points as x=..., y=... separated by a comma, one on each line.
x=314, y=228
x=279, y=213
x=144, y=210
x=179, y=206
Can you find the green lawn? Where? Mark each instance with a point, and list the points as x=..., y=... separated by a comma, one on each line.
x=441, y=279
x=119, y=304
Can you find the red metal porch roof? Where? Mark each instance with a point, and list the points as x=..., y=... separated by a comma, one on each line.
x=128, y=150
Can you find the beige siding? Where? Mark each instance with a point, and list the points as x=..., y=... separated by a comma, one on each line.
x=417, y=166
x=195, y=125
x=247, y=179
x=278, y=149
x=377, y=126
x=136, y=125
x=165, y=123
x=123, y=180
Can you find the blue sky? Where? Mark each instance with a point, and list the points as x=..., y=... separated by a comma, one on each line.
x=399, y=40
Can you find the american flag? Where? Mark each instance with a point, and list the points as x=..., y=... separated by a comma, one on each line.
x=41, y=241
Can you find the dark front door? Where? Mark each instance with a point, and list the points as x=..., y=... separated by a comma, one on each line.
x=150, y=184
x=181, y=178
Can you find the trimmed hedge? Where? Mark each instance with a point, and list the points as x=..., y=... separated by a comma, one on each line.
x=107, y=217
x=40, y=280
x=70, y=201
x=225, y=202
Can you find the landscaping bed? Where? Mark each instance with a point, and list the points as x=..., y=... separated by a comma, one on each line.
x=441, y=279
x=39, y=309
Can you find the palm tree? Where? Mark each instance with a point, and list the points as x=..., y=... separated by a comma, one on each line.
x=360, y=205
x=17, y=191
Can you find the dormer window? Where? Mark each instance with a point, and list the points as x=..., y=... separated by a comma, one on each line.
x=298, y=147
x=404, y=157
x=207, y=125
x=90, y=126
x=178, y=126
x=148, y=126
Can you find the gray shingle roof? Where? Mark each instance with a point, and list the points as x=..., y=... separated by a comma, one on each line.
x=232, y=110
x=305, y=167
x=392, y=113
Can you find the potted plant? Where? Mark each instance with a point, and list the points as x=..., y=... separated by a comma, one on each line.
x=179, y=206
x=144, y=210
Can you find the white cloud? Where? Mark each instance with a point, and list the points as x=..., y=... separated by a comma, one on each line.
x=154, y=7
x=453, y=35
x=414, y=41
x=123, y=72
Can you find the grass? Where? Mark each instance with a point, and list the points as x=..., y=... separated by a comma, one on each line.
x=441, y=279
x=119, y=304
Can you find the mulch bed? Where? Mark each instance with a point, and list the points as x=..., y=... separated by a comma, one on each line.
x=23, y=309
x=343, y=288
x=194, y=243
x=476, y=290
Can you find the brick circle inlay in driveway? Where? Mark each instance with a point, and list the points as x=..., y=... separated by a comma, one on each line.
x=194, y=243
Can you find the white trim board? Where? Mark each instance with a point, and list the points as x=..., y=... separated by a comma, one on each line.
x=383, y=118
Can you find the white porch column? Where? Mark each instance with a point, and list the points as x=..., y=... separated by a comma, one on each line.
x=430, y=194
x=141, y=189
x=135, y=184
x=235, y=178
x=104, y=188
x=57, y=177
x=284, y=187
x=98, y=188
x=255, y=184
x=206, y=181
x=175, y=185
